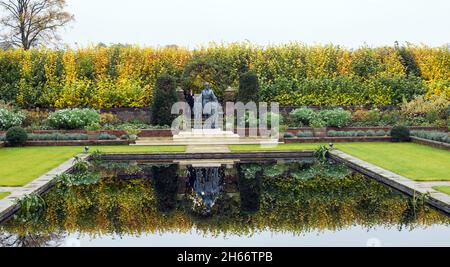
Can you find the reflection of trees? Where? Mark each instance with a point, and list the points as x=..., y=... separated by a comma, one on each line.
x=31, y=240
x=286, y=204
x=166, y=183
x=249, y=179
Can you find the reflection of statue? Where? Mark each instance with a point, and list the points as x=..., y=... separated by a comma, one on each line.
x=207, y=184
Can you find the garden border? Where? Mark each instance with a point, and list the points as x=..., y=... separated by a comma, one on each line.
x=431, y=143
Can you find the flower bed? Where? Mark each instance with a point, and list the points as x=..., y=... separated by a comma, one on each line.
x=80, y=143
x=295, y=131
x=336, y=139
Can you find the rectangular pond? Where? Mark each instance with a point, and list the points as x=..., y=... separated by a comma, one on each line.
x=222, y=203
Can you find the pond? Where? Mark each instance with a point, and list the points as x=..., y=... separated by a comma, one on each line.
x=222, y=203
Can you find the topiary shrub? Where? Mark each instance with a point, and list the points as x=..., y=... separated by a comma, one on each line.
x=165, y=96
x=400, y=133
x=249, y=90
x=72, y=119
x=16, y=136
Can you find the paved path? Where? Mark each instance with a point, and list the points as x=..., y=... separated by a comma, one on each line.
x=403, y=184
x=160, y=141
x=207, y=149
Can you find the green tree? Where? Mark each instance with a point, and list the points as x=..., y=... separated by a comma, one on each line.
x=249, y=89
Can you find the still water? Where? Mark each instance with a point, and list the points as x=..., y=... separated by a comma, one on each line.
x=264, y=203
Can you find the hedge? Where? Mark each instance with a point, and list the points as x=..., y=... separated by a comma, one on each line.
x=292, y=74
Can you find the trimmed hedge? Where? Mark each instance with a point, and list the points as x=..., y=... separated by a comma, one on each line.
x=292, y=74
x=16, y=136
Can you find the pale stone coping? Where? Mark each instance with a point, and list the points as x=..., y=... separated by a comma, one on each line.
x=408, y=186
x=40, y=185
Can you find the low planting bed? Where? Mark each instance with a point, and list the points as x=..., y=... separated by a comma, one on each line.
x=79, y=143
x=337, y=139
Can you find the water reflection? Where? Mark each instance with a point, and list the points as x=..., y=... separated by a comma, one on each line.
x=206, y=183
x=221, y=199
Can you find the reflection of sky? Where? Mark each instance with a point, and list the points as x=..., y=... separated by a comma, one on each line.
x=355, y=237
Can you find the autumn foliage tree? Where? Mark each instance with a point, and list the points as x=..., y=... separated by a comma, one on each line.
x=28, y=23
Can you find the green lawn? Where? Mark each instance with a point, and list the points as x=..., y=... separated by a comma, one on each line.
x=3, y=195
x=19, y=166
x=417, y=162
x=443, y=189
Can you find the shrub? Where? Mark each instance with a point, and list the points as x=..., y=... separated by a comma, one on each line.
x=400, y=133
x=35, y=118
x=390, y=117
x=371, y=133
x=381, y=133
x=434, y=136
x=106, y=136
x=318, y=123
x=248, y=88
x=165, y=97
x=289, y=135
x=125, y=137
x=332, y=133
x=433, y=108
x=109, y=118
x=305, y=134
x=336, y=118
x=70, y=119
x=10, y=119
x=367, y=117
x=16, y=136
x=303, y=116
x=93, y=127
x=360, y=133
x=272, y=117
x=57, y=137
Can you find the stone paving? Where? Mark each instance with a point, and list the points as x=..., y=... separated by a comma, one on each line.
x=207, y=149
x=40, y=185
x=204, y=141
x=403, y=184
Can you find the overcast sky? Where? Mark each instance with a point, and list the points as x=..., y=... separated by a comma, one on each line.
x=195, y=22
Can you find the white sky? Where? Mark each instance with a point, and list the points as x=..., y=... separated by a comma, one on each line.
x=194, y=22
